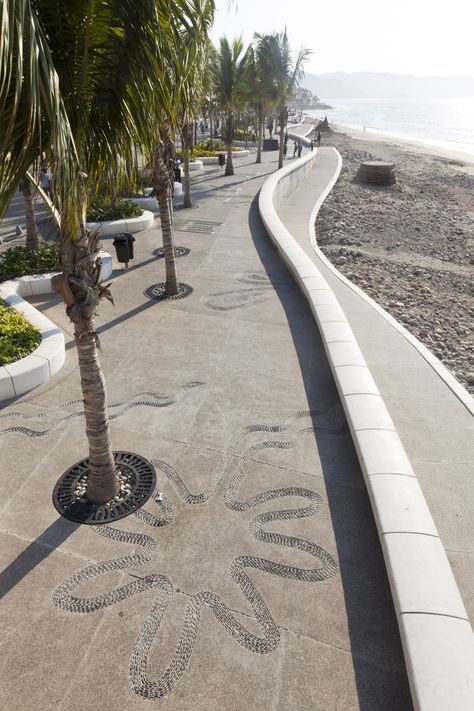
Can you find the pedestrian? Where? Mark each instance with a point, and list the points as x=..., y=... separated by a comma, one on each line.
x=300, y=147
x=295, y=147
x=177, y=171
x=46, y=183
x=312, y=144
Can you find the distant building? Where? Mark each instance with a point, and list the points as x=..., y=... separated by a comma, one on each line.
x=304, y=99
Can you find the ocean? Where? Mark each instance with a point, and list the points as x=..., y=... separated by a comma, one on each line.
x=445, y=123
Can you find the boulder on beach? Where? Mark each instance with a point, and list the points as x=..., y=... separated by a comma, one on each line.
x=377, y=172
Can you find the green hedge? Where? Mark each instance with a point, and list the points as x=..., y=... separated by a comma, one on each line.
x=100, y=209
x=18, y=338
x=19, y=261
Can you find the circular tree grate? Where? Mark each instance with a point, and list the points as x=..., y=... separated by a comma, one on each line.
x=137, y=483
x=158, y=291
x=178, y=252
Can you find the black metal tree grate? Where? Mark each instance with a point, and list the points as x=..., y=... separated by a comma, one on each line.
x=158, y=291
x=137, y=482
x=178, y=252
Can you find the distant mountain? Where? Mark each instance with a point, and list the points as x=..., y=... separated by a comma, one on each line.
x=378, y=85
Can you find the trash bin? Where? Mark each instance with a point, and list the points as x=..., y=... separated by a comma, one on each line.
x=130, y=240
x=123, y=244
x=221, y=159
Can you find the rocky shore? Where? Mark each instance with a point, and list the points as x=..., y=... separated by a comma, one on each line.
x=410, y=246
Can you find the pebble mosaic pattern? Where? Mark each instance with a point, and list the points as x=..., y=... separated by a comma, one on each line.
x=261, y=289
x=323, y=567
x=146, y=398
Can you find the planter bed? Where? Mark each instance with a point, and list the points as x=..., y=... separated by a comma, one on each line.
x=27, y=373
x=131, y=224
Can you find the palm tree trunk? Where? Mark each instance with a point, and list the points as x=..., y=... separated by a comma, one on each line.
x=32, y=235
x=282, y=119
x=229, y=167
x=187, y=179
x=259, y=130
x=102, y=484
x=163, y=174
x=167, y=233
x=79, y=286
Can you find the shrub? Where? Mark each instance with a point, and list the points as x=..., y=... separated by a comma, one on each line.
x=18, y=337
x=19, y=261
x=100, y=209
x=203, y=150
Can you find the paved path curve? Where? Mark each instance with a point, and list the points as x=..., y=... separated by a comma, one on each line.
x=435, y=425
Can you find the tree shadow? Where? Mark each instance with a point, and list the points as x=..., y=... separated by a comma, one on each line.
x=375, y=646
x=35, y=553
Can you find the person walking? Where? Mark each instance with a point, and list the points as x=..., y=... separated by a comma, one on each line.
x=300, y=147
x=295, y=147
x=46, y=183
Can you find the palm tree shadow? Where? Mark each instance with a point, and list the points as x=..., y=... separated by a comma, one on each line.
x=377, y=657
x=35, y=553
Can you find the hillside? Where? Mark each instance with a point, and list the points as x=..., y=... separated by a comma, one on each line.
x=375, y=85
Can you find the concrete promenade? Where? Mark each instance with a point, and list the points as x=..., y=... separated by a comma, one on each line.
x=268, y=591
x=400, y=386
x=436, y=428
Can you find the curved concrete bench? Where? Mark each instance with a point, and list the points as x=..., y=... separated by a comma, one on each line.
x=37, y=368
x=150, y=203
x=302, y=136
x=214, y=160
x=194, y=165
x=437, y=638
x=114, y=227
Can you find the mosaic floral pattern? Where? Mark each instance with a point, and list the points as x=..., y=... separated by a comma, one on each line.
x=224, y=485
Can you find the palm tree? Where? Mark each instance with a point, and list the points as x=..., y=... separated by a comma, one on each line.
x=228, y=70
x=81, y=96
x=261, y=89
x=286, y=73
x=180, y=81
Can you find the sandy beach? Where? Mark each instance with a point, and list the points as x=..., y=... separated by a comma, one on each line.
x=409, y=246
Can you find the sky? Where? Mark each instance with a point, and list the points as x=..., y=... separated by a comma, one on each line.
x=421, y=37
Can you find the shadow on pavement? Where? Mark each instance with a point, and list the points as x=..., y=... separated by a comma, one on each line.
x=377, y=657
x=35, y=553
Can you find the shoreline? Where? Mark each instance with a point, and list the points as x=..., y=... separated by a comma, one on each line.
x=407, y=143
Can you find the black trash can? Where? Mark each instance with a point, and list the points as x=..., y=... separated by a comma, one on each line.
x=130, y=240
x=221, y=159
x=123, y=244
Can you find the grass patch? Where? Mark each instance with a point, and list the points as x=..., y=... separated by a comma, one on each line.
x=18, y=337
x=100, y=209
x=19, y=261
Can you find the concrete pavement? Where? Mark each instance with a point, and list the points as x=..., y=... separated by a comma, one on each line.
x=267, y=591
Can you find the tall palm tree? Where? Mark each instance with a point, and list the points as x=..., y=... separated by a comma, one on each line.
x=228, y=70
x=180, y=79
x=286, y=73
x=81, y=96
x=260, y=86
